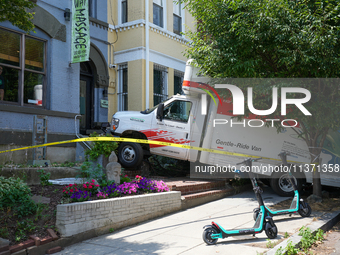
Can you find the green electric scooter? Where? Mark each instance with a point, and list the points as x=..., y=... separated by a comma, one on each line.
x=298, y=205
x=264, y=222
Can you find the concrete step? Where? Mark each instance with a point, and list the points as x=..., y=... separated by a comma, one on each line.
x=199, y=198
x=190, y=186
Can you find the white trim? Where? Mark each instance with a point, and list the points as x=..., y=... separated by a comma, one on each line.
x=183, y=20
x=141, y=23
x=165, y=15
x=155, y=57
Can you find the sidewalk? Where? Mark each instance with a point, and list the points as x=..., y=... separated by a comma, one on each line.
x=181, y=233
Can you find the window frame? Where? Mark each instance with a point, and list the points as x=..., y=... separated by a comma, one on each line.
x=164, y=91
x=122, y=95
x=22, y=69
x=180, y=75
x=173, y=118
x=124, y=12
x=162, y=19
x=93, y=9
x=177, y=13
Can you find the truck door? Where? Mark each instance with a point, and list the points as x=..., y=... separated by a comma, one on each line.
x=174, y=128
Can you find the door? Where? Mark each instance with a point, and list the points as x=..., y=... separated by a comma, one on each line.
x=86, y=97
x=174, y=128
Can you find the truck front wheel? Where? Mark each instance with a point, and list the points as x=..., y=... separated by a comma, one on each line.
x=281, y=185
x=130, y=155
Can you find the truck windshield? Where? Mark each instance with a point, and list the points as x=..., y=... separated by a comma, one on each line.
x=147, y=111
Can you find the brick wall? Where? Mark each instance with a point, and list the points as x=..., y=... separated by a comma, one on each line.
x=114, y=213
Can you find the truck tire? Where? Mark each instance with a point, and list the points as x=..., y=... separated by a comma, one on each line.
x=282, y=186
x=130, y=155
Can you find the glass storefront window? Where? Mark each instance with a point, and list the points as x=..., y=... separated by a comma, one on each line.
x=23, y=60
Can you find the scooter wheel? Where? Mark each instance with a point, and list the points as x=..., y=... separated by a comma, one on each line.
x=207, y=236
x=305, y=211
x=256, y=213
x=271, y=231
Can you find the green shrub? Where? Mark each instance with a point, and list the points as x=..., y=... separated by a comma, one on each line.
x=89, y=171
x=101, y=147
x=16, y=195
x=44, y=177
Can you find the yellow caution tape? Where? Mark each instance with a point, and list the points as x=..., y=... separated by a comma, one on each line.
x=118, y=139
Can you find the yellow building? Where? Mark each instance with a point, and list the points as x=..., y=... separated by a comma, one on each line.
x=146, y=59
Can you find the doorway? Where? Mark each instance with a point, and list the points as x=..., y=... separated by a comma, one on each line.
x=86, y=97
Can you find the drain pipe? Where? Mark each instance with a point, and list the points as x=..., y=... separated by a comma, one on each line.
x=147, y=52
x=75, y=127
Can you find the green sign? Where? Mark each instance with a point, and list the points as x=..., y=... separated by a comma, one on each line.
x=80, y=51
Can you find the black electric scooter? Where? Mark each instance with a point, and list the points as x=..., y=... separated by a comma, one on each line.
x=298, y=205
x=264, y=222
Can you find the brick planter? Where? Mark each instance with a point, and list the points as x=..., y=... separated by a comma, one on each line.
x=101, y=215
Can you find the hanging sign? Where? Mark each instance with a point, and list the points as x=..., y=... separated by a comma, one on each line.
x=80, y=51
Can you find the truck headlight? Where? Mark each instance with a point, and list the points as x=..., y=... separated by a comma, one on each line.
x=114, y=124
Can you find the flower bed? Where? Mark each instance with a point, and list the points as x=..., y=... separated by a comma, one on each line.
x=92, y=190
x=109, y=205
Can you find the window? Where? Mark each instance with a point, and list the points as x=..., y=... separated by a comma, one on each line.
x=177, y=18
x=158, y=12
x=93, y=8
x=160, y=77
x=178, y=80
x=22, y=58
x=124, y=11
x=123, y=88
x=177, y=111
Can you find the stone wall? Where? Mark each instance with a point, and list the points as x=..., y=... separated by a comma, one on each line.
x=103, y=215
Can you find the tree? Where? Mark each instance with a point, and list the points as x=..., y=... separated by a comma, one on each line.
x=16, y=12
x=275, y=39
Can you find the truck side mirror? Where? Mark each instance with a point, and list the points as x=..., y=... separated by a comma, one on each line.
x=160, y=110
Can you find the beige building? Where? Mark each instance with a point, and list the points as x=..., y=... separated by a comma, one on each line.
x=146, y=59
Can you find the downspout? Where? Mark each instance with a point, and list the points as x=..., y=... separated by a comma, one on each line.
x=147, y=52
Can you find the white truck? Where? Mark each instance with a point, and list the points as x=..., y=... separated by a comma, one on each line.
x=196, y=119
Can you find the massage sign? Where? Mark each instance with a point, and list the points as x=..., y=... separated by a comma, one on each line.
x=80, y=31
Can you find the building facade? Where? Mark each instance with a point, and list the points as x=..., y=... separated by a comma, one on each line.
x=41, y=83
x=148, y=52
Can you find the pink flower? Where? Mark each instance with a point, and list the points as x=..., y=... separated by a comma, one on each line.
x=70, y=185
x=93, y=181
x=71, y=190
x=97, y=185
x=90, y=187
x=84, y=185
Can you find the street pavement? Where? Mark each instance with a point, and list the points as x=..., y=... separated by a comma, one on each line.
x=181, y=232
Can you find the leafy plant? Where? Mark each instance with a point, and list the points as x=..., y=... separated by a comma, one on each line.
x=124, y=178
x=291, y=249
x=44, y=177
x=101, y=147
x=4, y=232
x=286, y=235
x=88, y=171
x=16, y=195
x=68, y=164
x=270, y=244
x=308, y=238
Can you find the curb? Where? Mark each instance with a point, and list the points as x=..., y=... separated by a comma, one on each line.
x=325, y=223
